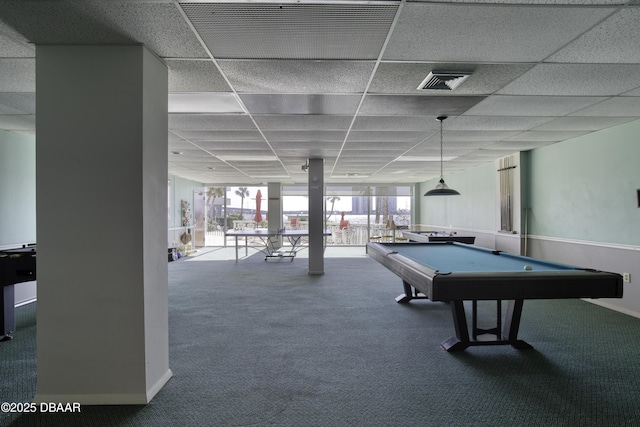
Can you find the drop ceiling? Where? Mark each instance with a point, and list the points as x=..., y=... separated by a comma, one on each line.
x=256, y=88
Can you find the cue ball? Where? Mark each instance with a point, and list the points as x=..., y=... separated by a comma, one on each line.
x=528, y=267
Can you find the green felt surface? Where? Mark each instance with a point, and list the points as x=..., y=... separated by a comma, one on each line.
x=465, y=258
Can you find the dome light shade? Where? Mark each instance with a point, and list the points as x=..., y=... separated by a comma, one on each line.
x=441, y=189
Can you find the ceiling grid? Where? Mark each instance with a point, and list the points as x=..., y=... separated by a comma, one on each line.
x=256, y=88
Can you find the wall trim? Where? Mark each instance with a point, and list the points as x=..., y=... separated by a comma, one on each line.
x=585, y=242
x=614, y=307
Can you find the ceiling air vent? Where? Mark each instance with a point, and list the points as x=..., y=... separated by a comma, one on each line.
x=443, y=80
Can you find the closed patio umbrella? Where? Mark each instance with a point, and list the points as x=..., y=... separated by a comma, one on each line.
x=258, y=217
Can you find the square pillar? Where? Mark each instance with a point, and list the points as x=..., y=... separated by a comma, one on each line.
x=316, y=216
x=101, y=193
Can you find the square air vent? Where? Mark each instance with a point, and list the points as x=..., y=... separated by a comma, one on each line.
x=443, y=80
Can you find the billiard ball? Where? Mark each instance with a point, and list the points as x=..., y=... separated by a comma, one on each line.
x=528, y=267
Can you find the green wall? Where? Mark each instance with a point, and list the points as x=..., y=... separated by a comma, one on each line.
x=585, y=188
x=581, y=189
x=473, y=209
x=17, y=189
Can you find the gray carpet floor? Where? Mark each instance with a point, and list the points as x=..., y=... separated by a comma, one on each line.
x=258, y=343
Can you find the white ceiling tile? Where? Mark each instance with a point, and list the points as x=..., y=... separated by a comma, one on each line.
x=298, y=76
x=615, y=40
x=17, y=122
x=576, y=80
x=195, y=76
x=552, y=136
x=210, y=122
x=13, y=44
x=495, y=123
x=466, y=33
x=583, y=123
x=516, y=146
x=622, y=106
x=312, y=136
x=313, y=31
x=18, y=75
x=303, y=122
x=204, y=103
x=416, y=105
x=389, y=137
x=401, y=123
x=220, y=135
x=301, y=104
x=17, y=103
x=543, y=106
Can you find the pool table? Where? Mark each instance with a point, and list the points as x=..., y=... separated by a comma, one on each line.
x=17, y=265
x=453, y=273
x=437, y=236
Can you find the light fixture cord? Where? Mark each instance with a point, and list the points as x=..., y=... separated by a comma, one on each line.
x=441, y=153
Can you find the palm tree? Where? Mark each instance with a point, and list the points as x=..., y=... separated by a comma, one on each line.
x=242, y=192
x=212, y=194
x=333, y=200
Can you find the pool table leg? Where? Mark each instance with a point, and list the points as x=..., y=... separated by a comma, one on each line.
x=461, y=341
x=510, y=333
x=512, y=325
x=409, y=293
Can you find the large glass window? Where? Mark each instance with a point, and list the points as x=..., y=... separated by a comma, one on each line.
x=354, y=215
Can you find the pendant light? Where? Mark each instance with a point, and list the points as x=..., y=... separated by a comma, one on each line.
x=441, y=189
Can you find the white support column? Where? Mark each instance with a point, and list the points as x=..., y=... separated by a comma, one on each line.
x=316, y=216
x=101, y=221
x=274, y=206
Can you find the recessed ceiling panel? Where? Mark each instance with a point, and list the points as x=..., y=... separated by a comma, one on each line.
x=381, y=144
x=210, y=122
x=195, y=76
x=496, y=123
x=301, y=104
x=552, y=136
x=224, y=135
x=303, y=122
x=13, y=44
x=622, y=106
x=292, y=30
x=613, y=41
x=298, y=136
x=576, y=80
x=414, y=105
x=312, y=147
x=582, y=123
x=543, y=106
x=18, y=75
x=401, y=123
x=17, y=122
x=390, y=137
x=209, y=102
x=17, y=103
x=516, y=146
x=285, y=76
x=466, y=33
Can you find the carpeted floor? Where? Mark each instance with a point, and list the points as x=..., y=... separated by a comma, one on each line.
x=258, y=343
